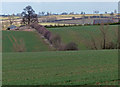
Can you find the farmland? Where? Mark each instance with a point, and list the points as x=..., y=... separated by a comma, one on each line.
x=40, y=65
x=53, y=24
x=61, y=68
x=30, y=40
x=50, y=19
x=81, y=34
x=66, y=44
x=76, y=16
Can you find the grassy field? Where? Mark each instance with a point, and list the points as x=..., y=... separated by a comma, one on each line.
x=61, y=68
x=81, y=35
x=30, y=40
x=85, y=67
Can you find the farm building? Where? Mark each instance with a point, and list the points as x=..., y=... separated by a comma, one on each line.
x=11, y=27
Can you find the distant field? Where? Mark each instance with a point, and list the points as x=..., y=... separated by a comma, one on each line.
x=88, y=67
x=31, y=41
x=82, y=34
x=53, y=24
x=6, y=18
x=77, y=16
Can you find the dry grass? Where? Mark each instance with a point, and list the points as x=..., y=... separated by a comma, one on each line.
x=19, y=46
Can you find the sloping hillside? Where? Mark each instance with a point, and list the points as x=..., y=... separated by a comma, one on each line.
x=83, y=35
x=23, y=41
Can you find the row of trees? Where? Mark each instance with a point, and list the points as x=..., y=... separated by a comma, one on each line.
x=42, y=13
x=71, y=13
x=30, y=18
x=54, y=39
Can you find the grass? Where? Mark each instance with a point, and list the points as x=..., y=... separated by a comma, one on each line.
x=81, y=34
x=61, y=68
x=31, y=40
x=86, y=67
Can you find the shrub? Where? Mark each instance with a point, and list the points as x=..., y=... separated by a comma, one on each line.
x=71, y=46
x=111, y=45
x=47, y=35
x=61, y=47
x=55, y=40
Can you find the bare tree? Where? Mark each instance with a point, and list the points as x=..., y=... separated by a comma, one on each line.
x=115, y=11
x=112, y=15
x=104, y=34
x=93, y=42
x=96, y=12
x=83, y=18
x=11, y=19
x=29, y=16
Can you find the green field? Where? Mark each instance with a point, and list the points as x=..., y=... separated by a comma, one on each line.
x=81, y=35
x=35, y=67
x=31, y=40
x=61, y=68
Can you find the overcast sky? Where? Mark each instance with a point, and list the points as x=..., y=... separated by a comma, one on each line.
x=59, y=7
x=60, y=0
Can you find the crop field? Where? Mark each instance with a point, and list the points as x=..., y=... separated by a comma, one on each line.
x=53, y=24
x=59, y=44
x=76, y=16
x=82, y=35
x=81, y=21
x=31, y=41
x=88, y=67
x=38, y=64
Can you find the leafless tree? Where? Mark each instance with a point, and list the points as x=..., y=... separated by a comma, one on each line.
x=29, y=16
x=11, y=19
x=104, y=34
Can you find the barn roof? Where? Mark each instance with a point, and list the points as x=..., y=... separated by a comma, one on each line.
x=12, y=27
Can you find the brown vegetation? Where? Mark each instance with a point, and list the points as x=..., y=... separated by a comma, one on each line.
x=71, y=46
x=53, y=39
x=104, y=41
x=19, y=46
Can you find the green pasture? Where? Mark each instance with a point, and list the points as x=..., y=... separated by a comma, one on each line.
x=88, y=67
x=31, y=40
x=82, y=35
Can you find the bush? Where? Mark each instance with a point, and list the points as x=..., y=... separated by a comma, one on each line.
x=71, y=46
x=47, y=35
x=111, y=45
x=55, y=40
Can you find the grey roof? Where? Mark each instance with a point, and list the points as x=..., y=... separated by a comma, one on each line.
x=12, y=27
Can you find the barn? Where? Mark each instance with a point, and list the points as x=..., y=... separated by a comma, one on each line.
x=11, y=27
